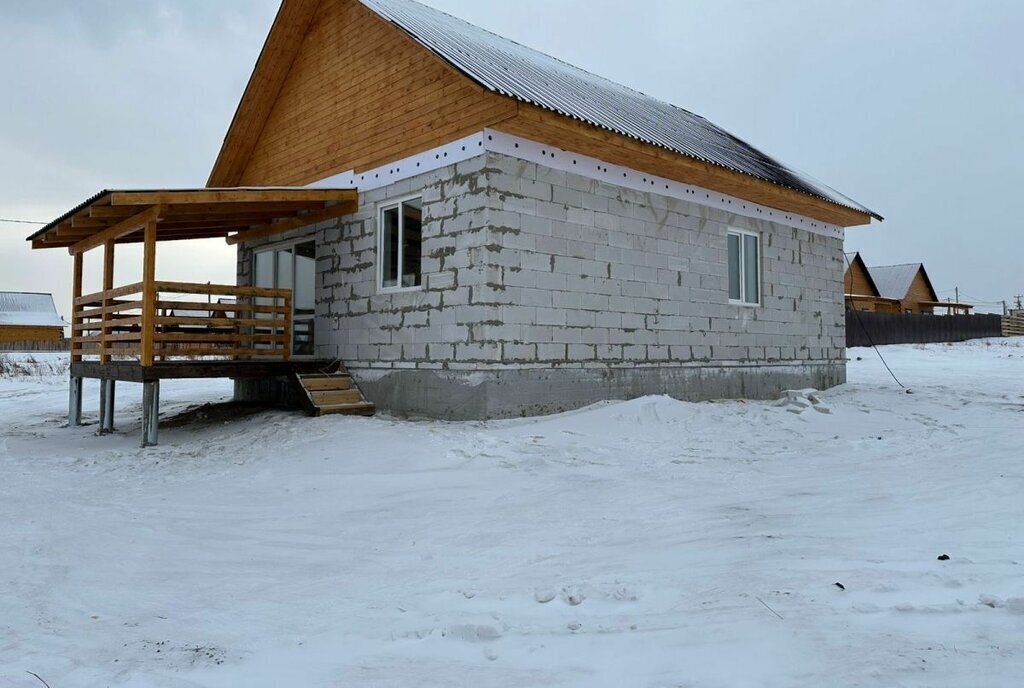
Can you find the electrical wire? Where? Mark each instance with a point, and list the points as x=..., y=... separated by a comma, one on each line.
x=22, y=222
x=964, y=294
x=849, y=266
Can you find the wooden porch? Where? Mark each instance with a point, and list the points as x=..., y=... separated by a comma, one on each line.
x=153, y=330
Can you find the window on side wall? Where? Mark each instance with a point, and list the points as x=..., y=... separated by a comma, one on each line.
x=744, y=267
x=399, y=245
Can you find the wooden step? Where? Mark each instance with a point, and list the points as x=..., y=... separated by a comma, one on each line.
x=332, y=393
x=361, y=408
x=331, y=383
x=330, y=397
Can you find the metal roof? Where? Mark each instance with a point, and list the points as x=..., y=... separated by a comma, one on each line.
x=27, y=309
x=893, y=281
x=514, y=70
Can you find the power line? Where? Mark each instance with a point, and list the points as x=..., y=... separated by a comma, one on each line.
x=23, y=222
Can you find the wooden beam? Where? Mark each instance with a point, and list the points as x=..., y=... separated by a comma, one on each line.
x=225, y=289
x=143, y=219
x=86, y=222
x=271, y=229
x=174, y=209
x=76, y=292
x=108, y=284
x=148, y=293
x=136, y=239
x=232, y=196
x=221, y=220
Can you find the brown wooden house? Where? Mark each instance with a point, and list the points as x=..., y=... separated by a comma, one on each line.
x=860, y=290
x=29, y=321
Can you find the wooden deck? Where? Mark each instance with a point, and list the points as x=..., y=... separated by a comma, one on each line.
x=131, y=371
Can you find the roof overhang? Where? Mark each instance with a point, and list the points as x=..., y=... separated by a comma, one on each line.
x=236, y=214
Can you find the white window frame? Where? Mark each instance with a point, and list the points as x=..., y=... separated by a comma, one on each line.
x=743, y=268
x=389, y=205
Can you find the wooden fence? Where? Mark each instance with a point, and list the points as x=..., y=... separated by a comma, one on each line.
x=866, y=328
x=1013, y=326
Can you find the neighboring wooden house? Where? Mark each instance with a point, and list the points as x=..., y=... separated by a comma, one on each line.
x=475, y=229
x=860, y=290
x=909, y=286
x=29, y=321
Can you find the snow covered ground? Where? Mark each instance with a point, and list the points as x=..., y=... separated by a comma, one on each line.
x=644, y=543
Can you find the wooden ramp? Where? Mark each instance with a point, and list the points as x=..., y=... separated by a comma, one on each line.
x=323, y=394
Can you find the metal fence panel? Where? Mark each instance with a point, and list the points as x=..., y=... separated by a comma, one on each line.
x=866, y=328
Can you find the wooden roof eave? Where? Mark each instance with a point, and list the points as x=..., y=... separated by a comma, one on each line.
x=193, y=213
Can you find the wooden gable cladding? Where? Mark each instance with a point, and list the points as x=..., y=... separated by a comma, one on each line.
x=919, y=294
x=359, y=93
x=857, y=280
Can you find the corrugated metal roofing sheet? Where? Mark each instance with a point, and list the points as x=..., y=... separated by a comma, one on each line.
x=514, y=70
x=28, y=310
x=893, y=281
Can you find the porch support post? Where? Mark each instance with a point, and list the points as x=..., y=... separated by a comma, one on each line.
x=148, y=294
x=75, y=402
x=150, y=413
x=108, y=284
x=75, y=382
x=106, y=407
x=76, y=292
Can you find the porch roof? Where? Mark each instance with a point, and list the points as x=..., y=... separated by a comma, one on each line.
x=237, y=214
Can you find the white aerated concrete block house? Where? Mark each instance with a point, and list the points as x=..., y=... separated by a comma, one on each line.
x=529, y=237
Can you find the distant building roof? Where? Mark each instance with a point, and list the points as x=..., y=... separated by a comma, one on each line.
x=893, y=281
x=511, y=69
x=27, y=309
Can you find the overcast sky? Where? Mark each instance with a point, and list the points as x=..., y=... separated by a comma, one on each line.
x=914, y=109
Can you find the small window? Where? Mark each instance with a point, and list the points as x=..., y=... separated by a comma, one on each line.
x=400, y=245
x=744, y=267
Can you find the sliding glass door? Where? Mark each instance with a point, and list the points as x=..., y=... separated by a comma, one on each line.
x=292, y=267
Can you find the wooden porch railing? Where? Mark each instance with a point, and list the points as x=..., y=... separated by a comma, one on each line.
x=159, y=325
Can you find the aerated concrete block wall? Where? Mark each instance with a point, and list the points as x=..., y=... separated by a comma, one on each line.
x=545, y=290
